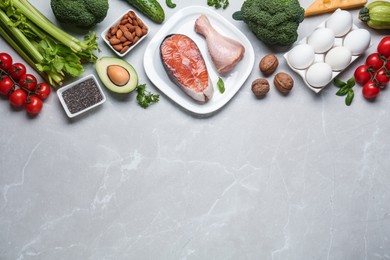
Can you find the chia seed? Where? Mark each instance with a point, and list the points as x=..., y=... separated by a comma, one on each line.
x=82, y=96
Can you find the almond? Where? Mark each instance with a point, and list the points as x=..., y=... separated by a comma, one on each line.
x=128, y=35
x=138, y=31
x=132, y=15
x=123, y=28
x=119, y=33
x=114, y=41
x=127, y=43
x=130, y=27
x=124, y=49
x=114, y=30
x=117, y=47
x=140, y=23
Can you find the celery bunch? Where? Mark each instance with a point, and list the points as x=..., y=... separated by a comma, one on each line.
x=52, y=52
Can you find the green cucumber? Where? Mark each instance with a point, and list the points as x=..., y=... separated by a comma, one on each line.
x=376, y=15
x=151, y=8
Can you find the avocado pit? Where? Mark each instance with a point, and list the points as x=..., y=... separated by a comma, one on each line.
x=118, y=75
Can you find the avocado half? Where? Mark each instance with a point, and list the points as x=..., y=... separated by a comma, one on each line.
x=116, y=74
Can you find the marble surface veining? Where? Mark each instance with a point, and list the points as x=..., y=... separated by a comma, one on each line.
x=294, y=177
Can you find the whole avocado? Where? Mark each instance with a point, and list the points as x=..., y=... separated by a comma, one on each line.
x=275, y=22
x=80, y=13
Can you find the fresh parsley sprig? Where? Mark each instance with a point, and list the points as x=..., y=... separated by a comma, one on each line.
x=346, y=89
x=146, y=98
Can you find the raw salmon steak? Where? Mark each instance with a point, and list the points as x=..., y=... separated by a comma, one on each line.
x=186, y=67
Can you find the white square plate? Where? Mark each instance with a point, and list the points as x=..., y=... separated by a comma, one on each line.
x=183, y=22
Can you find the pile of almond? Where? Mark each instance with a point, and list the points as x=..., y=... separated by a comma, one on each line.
x=127, y=32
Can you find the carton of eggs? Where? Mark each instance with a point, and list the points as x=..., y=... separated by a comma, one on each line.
x=329, y=49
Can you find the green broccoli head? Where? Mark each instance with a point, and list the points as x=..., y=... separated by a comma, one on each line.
x=274, y=22
x=81, y=13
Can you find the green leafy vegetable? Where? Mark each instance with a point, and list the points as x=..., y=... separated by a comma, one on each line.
x=52, y=52
x=346, y=89
x=146, y=98
x=218, y=3
x=221, y=85
x=170, y=4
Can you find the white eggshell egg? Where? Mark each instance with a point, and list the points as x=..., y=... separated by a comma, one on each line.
x=357, y=41
x=340, y=22
x=322, y=39
x=338, y=58
x=319, y=74
x=301, y=56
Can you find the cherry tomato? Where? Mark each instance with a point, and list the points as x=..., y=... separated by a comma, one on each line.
x=362, y=74
x=5, y=61
x=17, y=70
x=384, y=46
x=18, y=98
x=42, y=90
x=28, y=81
x=374, y=61
x=388, y=63
x=6, y=84
x=370, y=90
x=34, y=105
x=382, y=77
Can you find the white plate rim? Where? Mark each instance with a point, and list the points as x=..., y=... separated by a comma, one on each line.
x=160, y=79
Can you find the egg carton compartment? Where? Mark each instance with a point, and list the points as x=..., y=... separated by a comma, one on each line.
x=320, y=57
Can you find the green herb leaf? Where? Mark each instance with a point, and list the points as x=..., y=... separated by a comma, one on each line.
x=351, y=82
x=349, y=98
x=146, y=98
x=339, y=83
x=221, y=85
x=343, y=91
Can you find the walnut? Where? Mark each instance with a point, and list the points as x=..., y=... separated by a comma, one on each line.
x=260, y=87
x=283, y=82
x=268, y=64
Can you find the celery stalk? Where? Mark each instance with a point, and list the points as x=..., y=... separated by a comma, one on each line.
x=47, y=48
x=22, y=40
x=50, y=28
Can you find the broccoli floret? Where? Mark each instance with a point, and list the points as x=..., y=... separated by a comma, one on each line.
x=274, y=22
x=81, y=13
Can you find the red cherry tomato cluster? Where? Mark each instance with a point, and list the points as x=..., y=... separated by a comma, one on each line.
x=21, y=88
x=375, y=73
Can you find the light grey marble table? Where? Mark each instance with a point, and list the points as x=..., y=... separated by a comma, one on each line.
x=301, y=176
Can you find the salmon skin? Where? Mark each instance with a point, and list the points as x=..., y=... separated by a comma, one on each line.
x=186, y=67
